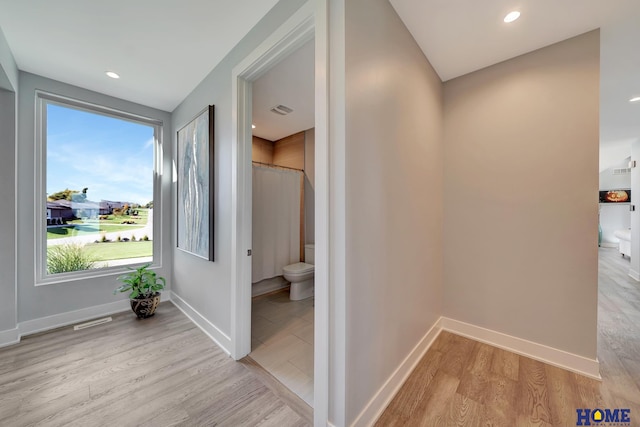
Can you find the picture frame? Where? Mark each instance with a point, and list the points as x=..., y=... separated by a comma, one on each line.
x=195, y=185
x=615, y=196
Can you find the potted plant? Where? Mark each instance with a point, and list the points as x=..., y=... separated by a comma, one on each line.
x=144, y=286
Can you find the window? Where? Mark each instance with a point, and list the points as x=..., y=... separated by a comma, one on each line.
x=97, y=184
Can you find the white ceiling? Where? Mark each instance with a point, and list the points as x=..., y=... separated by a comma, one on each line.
x=164, y=48
x=461, y=36
x=290, y=83
x=161, y=48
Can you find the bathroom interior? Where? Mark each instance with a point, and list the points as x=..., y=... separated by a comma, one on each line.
x=282, y=315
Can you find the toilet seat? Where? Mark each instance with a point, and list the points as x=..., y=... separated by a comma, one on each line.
x=298, y=268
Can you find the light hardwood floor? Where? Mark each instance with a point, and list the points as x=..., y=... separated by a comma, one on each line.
x=164, y=371
x=161, y=371
x=461, y=382
x=282, y=340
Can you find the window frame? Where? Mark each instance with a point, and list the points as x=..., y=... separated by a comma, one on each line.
x=43, y=99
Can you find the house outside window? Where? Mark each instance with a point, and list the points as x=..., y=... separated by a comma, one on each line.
x=95, y=189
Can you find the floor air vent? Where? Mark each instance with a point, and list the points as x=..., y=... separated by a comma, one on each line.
x=92, y=323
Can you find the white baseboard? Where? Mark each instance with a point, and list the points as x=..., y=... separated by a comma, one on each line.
x=267, y=286
x=63, y=319
x=383, y=397
x=562, y=359
x=219, y=337
x=634, y=275
x=9, y=337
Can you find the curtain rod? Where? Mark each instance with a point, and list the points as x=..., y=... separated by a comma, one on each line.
x=276, y=166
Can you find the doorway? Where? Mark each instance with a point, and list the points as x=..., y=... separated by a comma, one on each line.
x=283, y=141
x=294, y=33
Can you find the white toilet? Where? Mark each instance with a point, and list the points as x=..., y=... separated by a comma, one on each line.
x=300, y=275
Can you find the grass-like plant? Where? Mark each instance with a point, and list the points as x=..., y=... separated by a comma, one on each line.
x=141, y=282
x=68, y=257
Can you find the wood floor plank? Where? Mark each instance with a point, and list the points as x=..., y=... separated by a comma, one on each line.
x=456, y=360
x=505, y=363
x=414, y=391
x=440, y=392
x=532, y=395
x=564, y=396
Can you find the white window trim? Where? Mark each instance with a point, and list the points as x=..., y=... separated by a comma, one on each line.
x=40, y=247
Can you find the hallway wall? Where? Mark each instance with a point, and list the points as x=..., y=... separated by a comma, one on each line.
x=394, y=197
x=520, y=196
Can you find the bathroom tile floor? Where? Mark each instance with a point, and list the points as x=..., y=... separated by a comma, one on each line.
x=282, y=340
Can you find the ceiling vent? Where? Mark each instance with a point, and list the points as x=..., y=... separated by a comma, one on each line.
x=282, y=110
x=621, y=171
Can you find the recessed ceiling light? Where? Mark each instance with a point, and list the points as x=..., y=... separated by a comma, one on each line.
x=112, y=74
x=253, y=126
x=512, y=16
x=635, y=99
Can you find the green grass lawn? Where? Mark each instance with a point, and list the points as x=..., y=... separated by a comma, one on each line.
x=84, y=229
x=119, y=250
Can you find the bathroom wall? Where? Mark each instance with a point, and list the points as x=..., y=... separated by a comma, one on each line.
x=289, y=151
x=262, y=150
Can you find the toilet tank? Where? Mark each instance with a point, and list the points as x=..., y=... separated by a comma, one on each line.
x=309, y=253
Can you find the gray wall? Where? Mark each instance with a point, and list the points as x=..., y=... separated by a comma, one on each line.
x=8, y=67
x=204, y=285
x=521, y=250
x=8, y=105
x=7, y=211
x=40, y=301
x=394, y=197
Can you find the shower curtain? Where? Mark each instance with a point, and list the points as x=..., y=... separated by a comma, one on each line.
x=276, y=221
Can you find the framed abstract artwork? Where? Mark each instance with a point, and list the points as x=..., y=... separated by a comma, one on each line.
x=195, y=172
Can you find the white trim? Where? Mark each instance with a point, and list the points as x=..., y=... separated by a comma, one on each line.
x=216, y=335
x=552, y=356
x=321, y=223
x=634, y=275
x=267, y=287
x=9, y=337
x=71, y=317
x=59, y=320
x=297, y=30
x=383, y=397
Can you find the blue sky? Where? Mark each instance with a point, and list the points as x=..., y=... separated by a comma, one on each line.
x=110, y=156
